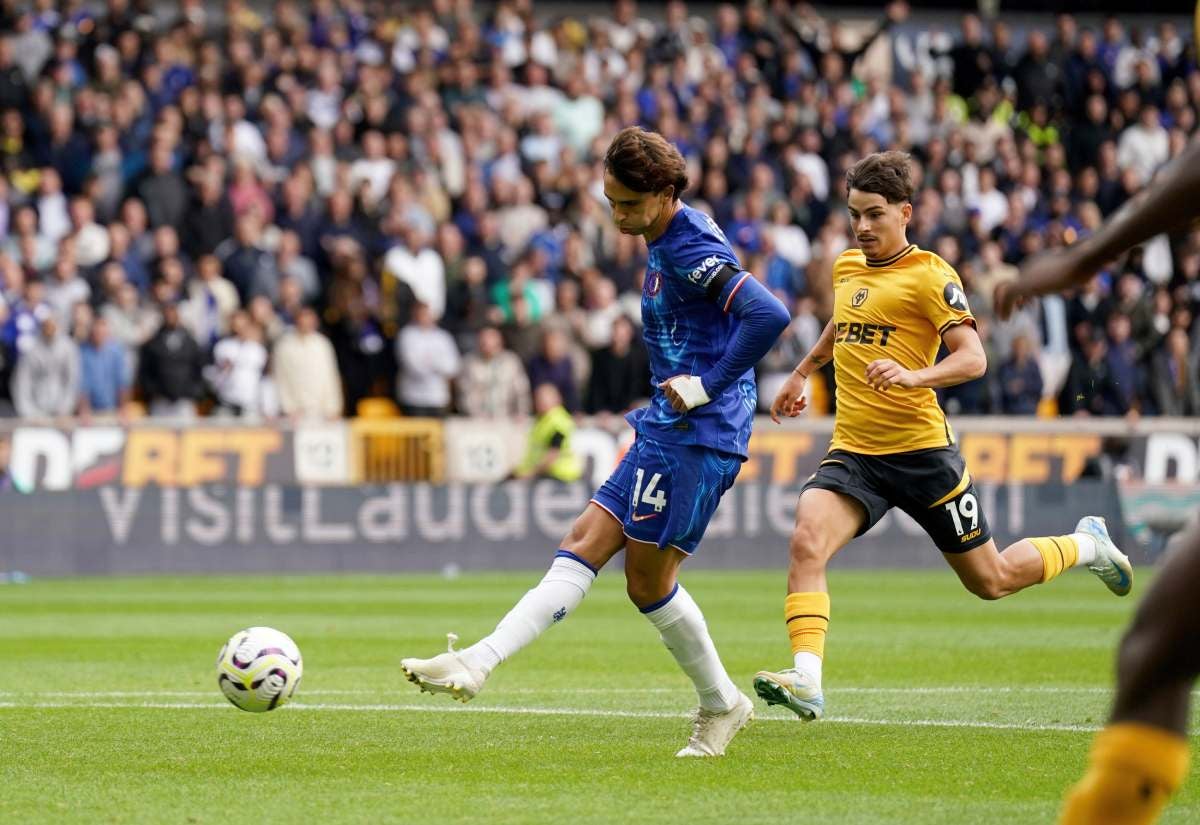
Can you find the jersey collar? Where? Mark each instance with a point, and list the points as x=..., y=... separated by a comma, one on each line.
x=889, y=261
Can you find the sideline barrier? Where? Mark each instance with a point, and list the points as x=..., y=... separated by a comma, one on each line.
x=412, y=527
x=214, y=497
x=365, y=450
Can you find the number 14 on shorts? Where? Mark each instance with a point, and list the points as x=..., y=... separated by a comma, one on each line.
x=651, y=495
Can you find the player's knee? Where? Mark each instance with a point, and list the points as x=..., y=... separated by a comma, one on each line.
x=644, y=590
x=808, y=546
x=988, y=588
x=577, y=536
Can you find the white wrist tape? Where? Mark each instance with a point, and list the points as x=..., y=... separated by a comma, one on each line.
x=691, y=390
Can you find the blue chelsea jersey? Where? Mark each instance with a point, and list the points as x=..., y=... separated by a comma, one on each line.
x=686, y=333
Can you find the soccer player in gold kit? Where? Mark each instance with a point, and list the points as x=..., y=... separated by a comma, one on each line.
x=894, y=306
x=1141, y=756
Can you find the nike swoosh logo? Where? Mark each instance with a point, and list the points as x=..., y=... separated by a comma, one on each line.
x=643, y=518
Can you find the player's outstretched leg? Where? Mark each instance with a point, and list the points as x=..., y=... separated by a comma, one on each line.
x=724, y=710
x=825, y=521
x=992, y=575
x=595, y=537
x=1141, y=757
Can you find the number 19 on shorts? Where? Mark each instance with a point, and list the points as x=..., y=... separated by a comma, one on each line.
x=962, y=509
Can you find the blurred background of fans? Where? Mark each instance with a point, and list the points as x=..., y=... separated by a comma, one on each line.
x=312, y=210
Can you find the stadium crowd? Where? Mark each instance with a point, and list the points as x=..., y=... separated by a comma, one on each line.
x=246, y=213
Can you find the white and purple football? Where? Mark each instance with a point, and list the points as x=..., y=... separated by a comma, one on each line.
x=259, y=669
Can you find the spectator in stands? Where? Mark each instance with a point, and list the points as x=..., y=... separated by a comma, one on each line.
x=417, y=264
x=550, y=453
x=467, y=302
x=1020, y=379
x=291, y=262
x=1090, y=388
x=493, y=383
x=169, y=368
x=104, y=370
x=553, y=365
x=601, y=312
x=45, y=382
x=66, y=288
x=1016, y=150
x=91, y=239
x=54, y=219
x=306, y=373
x=239, y=364
x=130, y=321
x=161, y=189
x=620, y=373
x=428, y=360
x=80, y=326
x=522, y=334
x=1175, y=377
x=1123, y=360
x=1132, y=301
x=26, y=243
x=1143, y=147
x=211, y=302
x=1090, y=307
x=209, y=220
x=247, y=265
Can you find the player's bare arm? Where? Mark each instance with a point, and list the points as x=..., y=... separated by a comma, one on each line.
x=1169, y=204
x=790, y=401
x=966, y=362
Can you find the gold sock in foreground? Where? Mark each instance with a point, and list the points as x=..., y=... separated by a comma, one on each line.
x=1133, y=771
x=807, y=616
x=1058, y=554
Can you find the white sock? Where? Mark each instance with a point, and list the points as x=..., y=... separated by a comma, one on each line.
x=1087, y=548
x=558, y=593
x=684, y=632
x=810, y=663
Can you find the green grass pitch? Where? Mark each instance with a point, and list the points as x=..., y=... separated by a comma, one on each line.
x=943, y=709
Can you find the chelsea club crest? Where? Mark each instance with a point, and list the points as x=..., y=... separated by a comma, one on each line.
x=653, y=283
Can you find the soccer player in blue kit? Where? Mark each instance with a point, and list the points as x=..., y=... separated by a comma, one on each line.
x=706, y=324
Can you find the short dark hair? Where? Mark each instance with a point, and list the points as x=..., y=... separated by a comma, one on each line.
x=883, y=173
x=646, y=161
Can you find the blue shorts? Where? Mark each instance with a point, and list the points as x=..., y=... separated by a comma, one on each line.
x=665, y=494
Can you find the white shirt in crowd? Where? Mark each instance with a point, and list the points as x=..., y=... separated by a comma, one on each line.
x=1143, y=149
x=423, y=271
x=62, y=296
x=428, y=359
x=237, y=374
x=598, y=325
x=993, y=208
x=54, y=221
x=377, y=173
x=813, y=167
x=791, y=244
x=306, y=376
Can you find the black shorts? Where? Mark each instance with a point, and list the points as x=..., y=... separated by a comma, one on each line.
x=932, y=486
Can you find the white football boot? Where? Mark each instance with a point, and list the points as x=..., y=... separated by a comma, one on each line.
x=1111, y=565
x=445, y=673
x=713, y=730
x=793, y=689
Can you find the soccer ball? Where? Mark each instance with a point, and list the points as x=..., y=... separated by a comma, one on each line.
x=259, y=669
